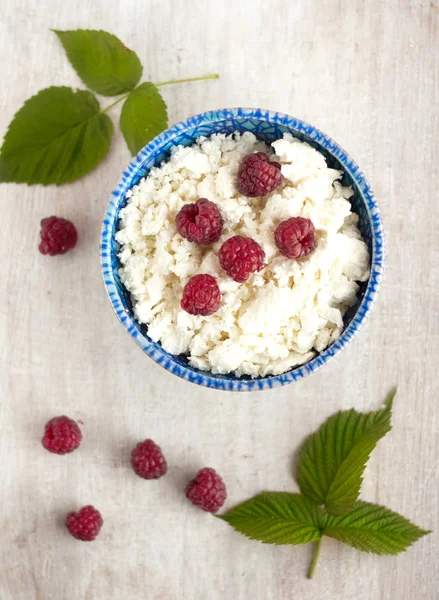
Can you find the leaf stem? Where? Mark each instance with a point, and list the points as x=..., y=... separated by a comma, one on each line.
x=211, y=76
x=104, y=110
x=315, y=558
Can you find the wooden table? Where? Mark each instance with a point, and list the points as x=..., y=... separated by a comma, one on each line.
x=367, y=74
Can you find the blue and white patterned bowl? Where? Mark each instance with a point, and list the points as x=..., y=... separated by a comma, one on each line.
x=268, y=126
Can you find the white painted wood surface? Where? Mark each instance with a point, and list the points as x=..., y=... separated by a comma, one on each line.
x=367, y=74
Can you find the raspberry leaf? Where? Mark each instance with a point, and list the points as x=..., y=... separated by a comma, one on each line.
x=276, y=518
x=143, y=116
x=332, y=460
x=57, y=136
x=103, y=63
x=373, y=528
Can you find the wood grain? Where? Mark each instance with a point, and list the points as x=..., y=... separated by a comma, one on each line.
x=366, y=72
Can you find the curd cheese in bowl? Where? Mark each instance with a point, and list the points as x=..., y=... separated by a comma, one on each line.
x=289, y=314
x=281, y=316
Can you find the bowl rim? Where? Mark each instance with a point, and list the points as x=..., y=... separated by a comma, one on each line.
x=209, y=379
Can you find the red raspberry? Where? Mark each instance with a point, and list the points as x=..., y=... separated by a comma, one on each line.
x=257, y=176
x=85, y=524
x=240, y=256
x=148, y=461
x=61, y=435
x=58, y=236
x=207, y=490
x=295, y=237
x=201, y=295
x=200, y=223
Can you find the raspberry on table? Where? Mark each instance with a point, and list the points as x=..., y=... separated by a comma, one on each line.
x=295, y=237
x=201, y=295
x=58, y=236
x=257, y=176
x=85, y=524
x=200, y=223
x=240, y=257
x=148, y=461
x=207, y=490
x=61, y=435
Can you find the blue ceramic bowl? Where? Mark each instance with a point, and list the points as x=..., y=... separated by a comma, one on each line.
x=268, y=126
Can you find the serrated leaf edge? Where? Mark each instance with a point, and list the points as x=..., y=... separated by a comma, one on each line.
x=127, y=91
x=332, y=507
x=316, y=478
x=416, y=532
x=312, y=531
x=75, y=91
x=133, y=150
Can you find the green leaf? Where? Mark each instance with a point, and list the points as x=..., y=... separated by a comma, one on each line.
x=276, y=518
x=103, y=63
x=57, y=136
x=373, y=528
x=143, y=116
x=332, y=460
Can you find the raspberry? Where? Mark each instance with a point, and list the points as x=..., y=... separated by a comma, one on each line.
x=257, y=176
x=85, y=524
x=201, y=295
x=148, y=461
x=240, y=256
x=207, y=490
x=58, y=236
x=61, y=435
x=295, y=237
x=200, y=223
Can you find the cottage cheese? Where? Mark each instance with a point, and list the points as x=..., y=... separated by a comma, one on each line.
x=282, y=315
